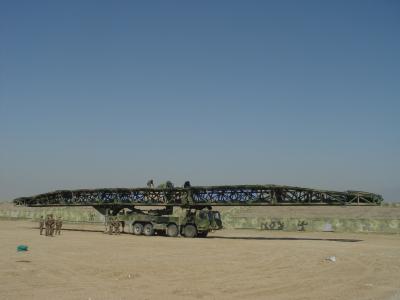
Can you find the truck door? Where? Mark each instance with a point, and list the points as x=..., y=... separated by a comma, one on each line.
x=215, y=219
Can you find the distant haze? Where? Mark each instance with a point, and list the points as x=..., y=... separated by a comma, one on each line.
x=113, y=93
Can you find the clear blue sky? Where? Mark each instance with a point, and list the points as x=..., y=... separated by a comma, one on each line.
x=112, y=93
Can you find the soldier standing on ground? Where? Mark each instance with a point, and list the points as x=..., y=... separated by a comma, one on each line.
x=106, y=224
x=117, y=224
x=52, y=224
x=41, y=225
x=110, y=225
x=47, y=224
x=58, y=226
x=123, y=226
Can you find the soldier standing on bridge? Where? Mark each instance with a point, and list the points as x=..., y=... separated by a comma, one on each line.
x=41, y=225
x=150, y=184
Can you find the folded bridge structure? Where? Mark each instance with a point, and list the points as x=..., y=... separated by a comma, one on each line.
x=200, y=197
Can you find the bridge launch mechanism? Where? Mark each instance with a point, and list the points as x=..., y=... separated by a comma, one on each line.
x=197, y=203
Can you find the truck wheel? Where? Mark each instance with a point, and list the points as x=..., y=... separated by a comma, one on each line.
x=137, y=229
x=203, y=234
x=172, y=230
x=189, y=231
x=148, y=230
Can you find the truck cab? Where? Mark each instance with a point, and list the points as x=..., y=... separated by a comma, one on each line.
x=204, y=221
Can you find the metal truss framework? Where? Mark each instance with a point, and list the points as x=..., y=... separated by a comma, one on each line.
x=235, y=195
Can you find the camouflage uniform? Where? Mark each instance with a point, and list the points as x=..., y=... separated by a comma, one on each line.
x=114, y=226
x=51, y=226
x=110, y=225
x=58, y=226
x=41, y=225
x=117, y=224
x=150, y=183
x=106, y=224
x=123, y=226
x=47, y=224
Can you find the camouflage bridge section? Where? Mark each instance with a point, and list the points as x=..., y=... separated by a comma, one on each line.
x=200, y=196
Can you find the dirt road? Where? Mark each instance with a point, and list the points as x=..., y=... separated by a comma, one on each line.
x=227, y=265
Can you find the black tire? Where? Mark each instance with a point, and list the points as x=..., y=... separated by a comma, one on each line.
x=190, y=231
x=148, y=229
x=172, y=230
x=137, y=229
x=202, y=234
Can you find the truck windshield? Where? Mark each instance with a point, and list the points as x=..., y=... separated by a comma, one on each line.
x=203, y=215
x=214, y=215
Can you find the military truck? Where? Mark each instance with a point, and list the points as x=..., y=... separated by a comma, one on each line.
x=190, y=223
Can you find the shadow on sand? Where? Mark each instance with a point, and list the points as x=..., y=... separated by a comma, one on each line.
x=76, y=229
x=255, y=238
x=282, y=239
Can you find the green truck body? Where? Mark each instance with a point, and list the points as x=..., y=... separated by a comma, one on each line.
x=190, y=223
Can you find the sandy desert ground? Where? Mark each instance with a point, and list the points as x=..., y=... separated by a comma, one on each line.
x=230, y=264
